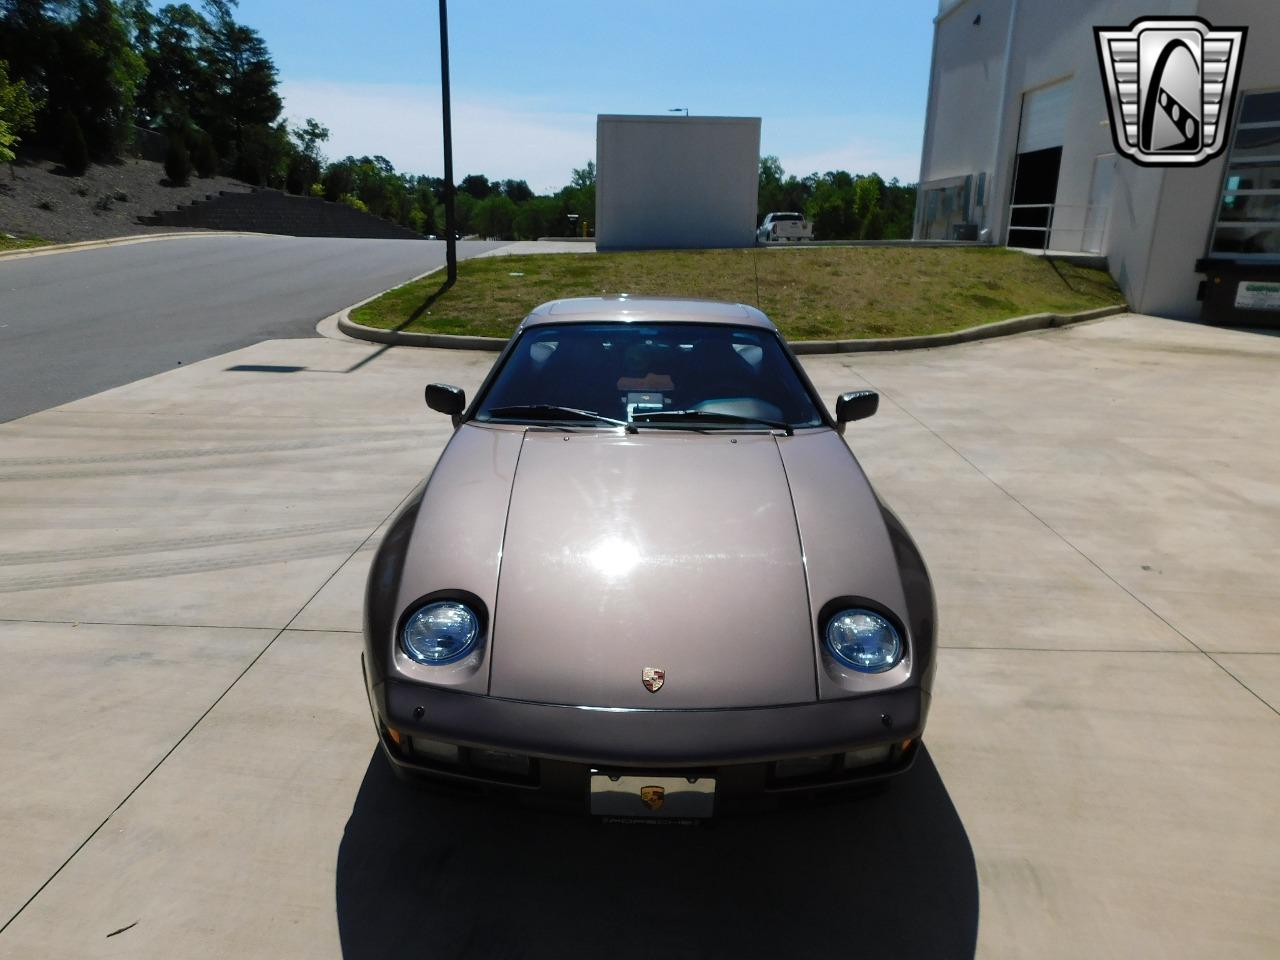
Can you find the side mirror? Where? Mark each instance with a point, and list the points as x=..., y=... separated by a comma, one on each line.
x=856, y=405
x=443, y=398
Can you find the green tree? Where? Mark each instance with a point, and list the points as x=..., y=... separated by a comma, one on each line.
x=240, y=88
x=899, y=205
x=77, y=56
x=584, y=178
x=339, y=179
x=306, y=162
x=464, y=205
x=518, y=191
x=536, y=218
x=17, y=114
x=866, y=196
x=495, y=217
x=204, y=156
x=74, y=151
x=177, y=75
x=423, y=199
x=262, y=158
x=769, y=196
x=830, y=207
x=308, y=138
x=872, y=226
x=177, y=163
x=477, y=186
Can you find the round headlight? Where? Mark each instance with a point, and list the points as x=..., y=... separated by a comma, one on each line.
x=864, y=640
x=440, y=632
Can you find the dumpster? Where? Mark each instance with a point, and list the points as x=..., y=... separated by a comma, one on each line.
x=1239, y=293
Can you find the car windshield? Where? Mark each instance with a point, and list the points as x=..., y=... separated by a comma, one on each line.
x=681, y=375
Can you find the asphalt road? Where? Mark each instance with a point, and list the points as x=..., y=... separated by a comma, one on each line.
x=73, y=324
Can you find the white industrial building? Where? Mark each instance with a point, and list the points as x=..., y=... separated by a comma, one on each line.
x=676, y=181
x=1018, y=150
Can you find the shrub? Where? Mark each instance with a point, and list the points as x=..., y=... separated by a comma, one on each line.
x=119, y=196
x=103, y=202
x=177, y=163
x=317, y=190
x=873, y=226
x=44, y=203
x=353, y=201
x=75, y=152
x=82, y=191
x=205, y=158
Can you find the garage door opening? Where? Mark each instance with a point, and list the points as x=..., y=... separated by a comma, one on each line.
x=1041, y=134
x=1035, y=190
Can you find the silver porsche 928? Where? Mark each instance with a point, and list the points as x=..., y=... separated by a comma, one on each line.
x=647, y=578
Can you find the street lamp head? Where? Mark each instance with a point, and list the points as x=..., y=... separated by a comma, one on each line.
x=684, y=110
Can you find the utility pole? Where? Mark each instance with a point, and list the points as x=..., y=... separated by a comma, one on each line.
x=450, y=224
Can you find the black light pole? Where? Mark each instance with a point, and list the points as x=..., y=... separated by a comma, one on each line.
x=451, y=255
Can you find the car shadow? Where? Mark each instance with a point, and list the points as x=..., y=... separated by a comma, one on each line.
x=422, y=874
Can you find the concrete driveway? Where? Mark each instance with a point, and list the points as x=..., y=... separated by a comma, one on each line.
x=190, y=770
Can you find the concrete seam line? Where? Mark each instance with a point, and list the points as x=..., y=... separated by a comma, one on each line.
x=200, y=719
x=999, y=328
x=1196, y=648
x=52, y=248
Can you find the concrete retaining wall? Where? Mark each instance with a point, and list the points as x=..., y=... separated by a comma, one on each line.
x=271, y=211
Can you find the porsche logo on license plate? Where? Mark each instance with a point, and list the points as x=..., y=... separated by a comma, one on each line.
x=653, y=797
x=653, y=678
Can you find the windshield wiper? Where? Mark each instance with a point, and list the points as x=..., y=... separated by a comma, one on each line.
x=645, y=416
x=551, y=411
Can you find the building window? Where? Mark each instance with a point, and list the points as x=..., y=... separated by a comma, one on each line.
x=1248, y=224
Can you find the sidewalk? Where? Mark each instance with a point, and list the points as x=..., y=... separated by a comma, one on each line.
x=524, y=247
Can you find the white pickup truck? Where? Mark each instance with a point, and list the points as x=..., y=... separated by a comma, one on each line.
x=778, y=227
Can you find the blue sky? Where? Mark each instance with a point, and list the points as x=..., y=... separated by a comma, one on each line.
x=838, y=84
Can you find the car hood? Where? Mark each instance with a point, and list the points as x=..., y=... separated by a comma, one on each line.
x=677, y=551
x=673, y=551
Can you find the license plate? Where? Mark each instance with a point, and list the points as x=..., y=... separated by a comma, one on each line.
x=678, y=798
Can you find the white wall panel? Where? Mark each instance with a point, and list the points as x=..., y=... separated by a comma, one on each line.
x=664, y=182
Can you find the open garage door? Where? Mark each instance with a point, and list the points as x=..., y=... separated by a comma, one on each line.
x=1035, y=179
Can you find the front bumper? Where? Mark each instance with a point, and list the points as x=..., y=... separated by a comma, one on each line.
x=565, y=744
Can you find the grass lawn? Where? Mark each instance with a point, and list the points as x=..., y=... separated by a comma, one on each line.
x=811, y=294
x=19, y=243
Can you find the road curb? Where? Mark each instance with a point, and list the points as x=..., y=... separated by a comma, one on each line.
x=349, y=329
x=1001, y=328
x=398, y=338
x=52, y=248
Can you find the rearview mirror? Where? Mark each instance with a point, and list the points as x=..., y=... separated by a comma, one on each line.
x=443, y=398
x=856, y=405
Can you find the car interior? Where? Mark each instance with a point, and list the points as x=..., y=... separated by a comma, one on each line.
x=621, y=370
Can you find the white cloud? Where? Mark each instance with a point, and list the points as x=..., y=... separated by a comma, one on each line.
x=519, y=138
x=402, y=123
x=859, y=143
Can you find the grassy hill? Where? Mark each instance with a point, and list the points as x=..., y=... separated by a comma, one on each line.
x=814, y=293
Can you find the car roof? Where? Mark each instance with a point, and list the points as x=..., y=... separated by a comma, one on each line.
x=623, y=308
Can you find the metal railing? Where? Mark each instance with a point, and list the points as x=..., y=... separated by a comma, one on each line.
x=1091, y=228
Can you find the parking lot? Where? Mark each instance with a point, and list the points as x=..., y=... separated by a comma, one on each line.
x=190, y=769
